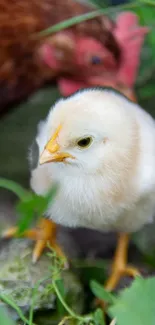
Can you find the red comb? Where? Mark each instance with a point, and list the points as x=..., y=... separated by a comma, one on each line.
x=130, y=37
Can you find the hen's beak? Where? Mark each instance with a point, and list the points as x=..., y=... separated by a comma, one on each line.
x=52, y=152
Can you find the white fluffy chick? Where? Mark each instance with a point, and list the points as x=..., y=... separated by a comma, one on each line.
x=100, y=149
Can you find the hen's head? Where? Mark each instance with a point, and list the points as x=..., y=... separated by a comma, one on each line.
x=81, y=60
x=94, y=56
x=68, y=52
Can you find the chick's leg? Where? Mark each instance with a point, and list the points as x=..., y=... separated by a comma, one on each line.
x=120, y=267
x=43, y=234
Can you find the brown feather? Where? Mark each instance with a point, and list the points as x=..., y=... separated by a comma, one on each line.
x=21, y=70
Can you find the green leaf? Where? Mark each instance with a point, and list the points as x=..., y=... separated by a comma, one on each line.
x=13, y=187
x=4, y=318
x=33, y=206
x=101, y=293
x=25, y=210
x=135, y=305
x=98, y=317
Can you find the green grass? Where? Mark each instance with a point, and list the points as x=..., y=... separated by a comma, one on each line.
x=105, y=10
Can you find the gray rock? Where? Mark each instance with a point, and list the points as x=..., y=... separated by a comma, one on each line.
x=18, y=277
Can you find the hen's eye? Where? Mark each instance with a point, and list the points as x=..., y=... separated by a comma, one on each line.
x=85, y=142
x=95, y=60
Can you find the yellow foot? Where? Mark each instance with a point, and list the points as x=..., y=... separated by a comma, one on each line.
x=119, y=267
x=44, y=234
x=118, y=273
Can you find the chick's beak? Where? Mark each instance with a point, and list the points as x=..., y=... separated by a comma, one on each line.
x=52, y=153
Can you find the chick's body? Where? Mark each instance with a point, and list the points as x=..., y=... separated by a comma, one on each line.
x=110, y=185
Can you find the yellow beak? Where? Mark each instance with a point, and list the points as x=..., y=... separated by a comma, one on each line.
x=47, y=157
x=52, y=152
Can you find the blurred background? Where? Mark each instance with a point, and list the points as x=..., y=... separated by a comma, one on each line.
x=41, y=61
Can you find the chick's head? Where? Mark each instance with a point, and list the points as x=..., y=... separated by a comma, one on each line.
x=89, y=131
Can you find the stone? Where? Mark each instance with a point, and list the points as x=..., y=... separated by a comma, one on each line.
x=19, y=276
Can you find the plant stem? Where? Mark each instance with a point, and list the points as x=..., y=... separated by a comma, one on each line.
x=64, y=320
x=15, y=307
x=14, y=187
x=33, y=298
x=31, y=310
x=70, y=312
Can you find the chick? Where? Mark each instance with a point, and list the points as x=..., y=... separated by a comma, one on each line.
x=99, y=147
x=46, y=230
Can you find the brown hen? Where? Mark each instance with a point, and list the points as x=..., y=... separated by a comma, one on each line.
x=22, y=69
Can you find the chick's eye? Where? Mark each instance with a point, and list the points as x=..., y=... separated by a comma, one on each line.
x=85, y=142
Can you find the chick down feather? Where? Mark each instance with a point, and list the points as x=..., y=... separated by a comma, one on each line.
x=110, y=185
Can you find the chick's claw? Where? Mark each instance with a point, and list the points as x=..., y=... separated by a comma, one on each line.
x=38, y=249
x=118, y=273
x=114, y=279
x=44, y=234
